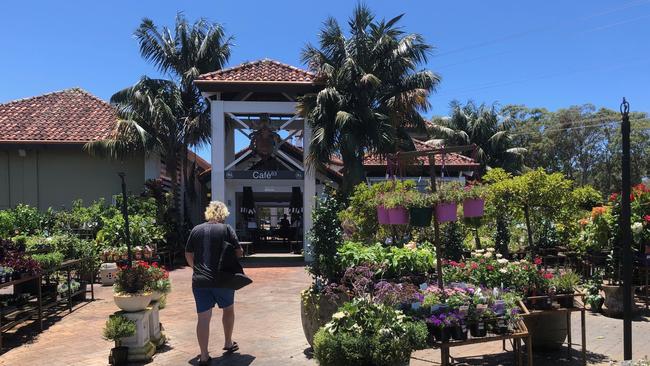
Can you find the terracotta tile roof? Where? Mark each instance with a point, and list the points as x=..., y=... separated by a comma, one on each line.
x=261, y=71
x=67, y=116
x=449, y=160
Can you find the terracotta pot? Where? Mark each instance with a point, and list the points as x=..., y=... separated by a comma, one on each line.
x=132, y=302
x=316, y=311
x=613, y=305
x=398, y=215
x=382, y=215
x=473, y=207
x=446, y=212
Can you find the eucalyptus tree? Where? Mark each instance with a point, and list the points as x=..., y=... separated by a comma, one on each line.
x=374, y=91
x=484, y=126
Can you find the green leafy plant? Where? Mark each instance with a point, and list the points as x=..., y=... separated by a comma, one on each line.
x=49, y=261
x=450, y=192
x=325, y=236
x=366, y=333
x=118, y=327
x=415, y=199
x=565, y=283
x=133, y=280
x=475, y=191
x=390, y=262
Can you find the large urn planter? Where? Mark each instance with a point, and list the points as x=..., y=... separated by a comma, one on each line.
x=473, y=207
x=613, y=305
x=156, y=295
x=420, y=216
x=132, y=302
x=548, y=330
x=398, y=215
x=316, y=311
x=446, y=212
x=382, y=215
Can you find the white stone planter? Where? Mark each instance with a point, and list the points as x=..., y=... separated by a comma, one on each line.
x=156, y=295
x=107, y=272
x=132, y=302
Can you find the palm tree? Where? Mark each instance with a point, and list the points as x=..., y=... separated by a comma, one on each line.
x=484, y=126
x=183, y=54
x=151, y=119
x=373, y=91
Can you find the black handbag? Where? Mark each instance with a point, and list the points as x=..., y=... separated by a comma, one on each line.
x=229, y=273
x=233, y=278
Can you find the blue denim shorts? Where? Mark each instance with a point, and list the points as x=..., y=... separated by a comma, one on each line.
x=207, y=297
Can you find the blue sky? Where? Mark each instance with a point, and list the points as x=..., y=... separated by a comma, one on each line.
x=549, y=54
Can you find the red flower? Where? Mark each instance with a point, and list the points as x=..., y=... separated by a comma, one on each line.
x=613, y=196
x=538, y=261
x=646, y=218
x=489, y=267
x=631, y=197
x=462, y=264
x=474, y=265
x=548, y=276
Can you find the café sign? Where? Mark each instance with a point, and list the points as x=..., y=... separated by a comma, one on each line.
x=263, y=174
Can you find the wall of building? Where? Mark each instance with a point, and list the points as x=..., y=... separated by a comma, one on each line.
x=54, y=176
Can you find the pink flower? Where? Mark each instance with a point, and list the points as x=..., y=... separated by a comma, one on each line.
x=538, y=261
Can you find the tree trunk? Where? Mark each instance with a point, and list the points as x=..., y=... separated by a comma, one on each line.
x=529, y=229
x=171, y=165
x=353, y=172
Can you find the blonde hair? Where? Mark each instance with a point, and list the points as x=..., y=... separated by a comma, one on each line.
x=216, y=211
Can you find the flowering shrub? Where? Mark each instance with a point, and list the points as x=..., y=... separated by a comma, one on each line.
x=159, y=279
x=367, y=333
x=492, y=270
x=133, y=280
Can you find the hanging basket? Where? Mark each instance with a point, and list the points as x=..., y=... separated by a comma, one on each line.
x=420, y=216
x=382, y=215
x=446, y=212
x=473, y=207
x=398, y=215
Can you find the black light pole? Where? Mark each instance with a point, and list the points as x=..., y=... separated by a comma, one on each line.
x=626, y=234
x=125, y=214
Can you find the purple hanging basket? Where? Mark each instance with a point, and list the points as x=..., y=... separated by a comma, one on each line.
x=398, y=215
x=473, y=207
x=382, y=215
x=446, y=212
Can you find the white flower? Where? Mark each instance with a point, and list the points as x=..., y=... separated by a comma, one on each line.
x=502, y=261
x=499, y=255
x=384, y=331
x=338, y=315
x=637, y=227
x=480, y=250
x=490, y=249
x=503, y=270
x=488, y=255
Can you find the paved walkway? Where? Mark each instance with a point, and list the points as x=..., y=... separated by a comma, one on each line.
x=268, y=330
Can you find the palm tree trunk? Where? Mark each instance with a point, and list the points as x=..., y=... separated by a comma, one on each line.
x=171, y=165
x=354, y=172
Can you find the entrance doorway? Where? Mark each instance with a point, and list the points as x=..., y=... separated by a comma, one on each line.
x=271, y=228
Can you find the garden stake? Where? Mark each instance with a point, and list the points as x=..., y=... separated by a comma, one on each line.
x=626, y=234
x=125, y=214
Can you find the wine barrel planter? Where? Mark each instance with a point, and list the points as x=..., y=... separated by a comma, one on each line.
x=315, y=311
x=420, y=216
x=613, y=305
x=548, y=330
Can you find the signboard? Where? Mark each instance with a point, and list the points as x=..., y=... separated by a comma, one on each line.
x=263, y=174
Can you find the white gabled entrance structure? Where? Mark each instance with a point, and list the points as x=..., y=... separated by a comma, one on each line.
x=258, y=99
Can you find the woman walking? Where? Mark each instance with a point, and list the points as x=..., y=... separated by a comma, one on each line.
x=205, y=252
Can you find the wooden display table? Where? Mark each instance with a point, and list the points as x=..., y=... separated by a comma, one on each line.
x=517, y=337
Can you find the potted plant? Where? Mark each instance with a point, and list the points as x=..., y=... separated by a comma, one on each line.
x=474, y=200
x=440, y=326
x=592, y=292
x=160, y=283
x=132, y=288
x=395, y=202
x=382, y=211
x=458, y=329
x=565, y=284
x=118, y=327
x=447, y=197
x=420, y=208
x=363, y=332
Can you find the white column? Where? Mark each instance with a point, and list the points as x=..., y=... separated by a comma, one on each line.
x=309, y=192
x=230, y=146
x=218, y=150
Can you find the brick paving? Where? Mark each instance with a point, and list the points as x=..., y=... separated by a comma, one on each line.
x=269, y=332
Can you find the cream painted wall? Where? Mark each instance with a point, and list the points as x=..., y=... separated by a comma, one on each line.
x=54, y=176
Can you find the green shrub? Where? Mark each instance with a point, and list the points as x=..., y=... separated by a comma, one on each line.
x=393, y=262
x=118, y=327
x=366, y=333
x=49, y=261
x=27, y=220
x=325, y=236
x=452, y=241
x=7, y=224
